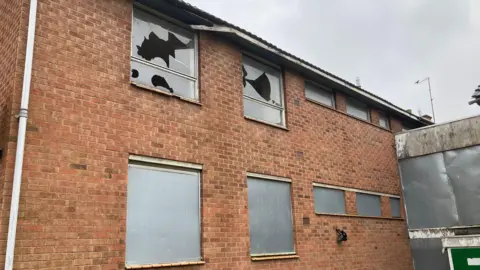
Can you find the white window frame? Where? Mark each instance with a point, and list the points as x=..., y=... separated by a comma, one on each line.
x=321, y=88
x=387, y=120
x=354, y=101
x=165, y=165
x=282, y=91
x=278, y=179
x=356, y=190
x=177, y=23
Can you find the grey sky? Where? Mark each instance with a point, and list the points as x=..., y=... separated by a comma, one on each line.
x=388, y=44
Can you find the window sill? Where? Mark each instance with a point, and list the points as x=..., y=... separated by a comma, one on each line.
x=147, y=266
x=344, y=113
x=265, y=123
x=321, y=104
x=280, y=257
x=196, y=102
x=357, y=216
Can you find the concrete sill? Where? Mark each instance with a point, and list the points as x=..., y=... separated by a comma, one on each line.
x=265, y=123
x=357, y=216
x=196, y=102
x=280, y=257
x=159, y=265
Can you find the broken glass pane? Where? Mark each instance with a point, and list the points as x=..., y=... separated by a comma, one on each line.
x=261, y=82
x=144, y=74
x=162, y=43
x=262, y=112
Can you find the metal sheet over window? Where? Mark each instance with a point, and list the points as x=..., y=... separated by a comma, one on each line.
x=270, y=216
x=395, y=207
x=358, y=109
x=428, y=194
x=263, y=93
x=329, y=200
x=319, y=94
x=163, y=55
x=427, y=254
x=463, y=170
x=163, y=216
x=368, y=205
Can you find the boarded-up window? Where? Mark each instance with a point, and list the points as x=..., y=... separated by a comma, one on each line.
x=358, y=110
x=163, y=55
x=163, y=215
x=270, y=216
x=368, y=205
x=319, y=94
x=329, y=200
x=383, y=121
x=395, y=207
x=262, y=92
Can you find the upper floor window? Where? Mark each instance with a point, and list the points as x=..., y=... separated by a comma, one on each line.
x=383, y=121
x=263, y=92
x=164, y=55
x=358, y=109
x=319, y=94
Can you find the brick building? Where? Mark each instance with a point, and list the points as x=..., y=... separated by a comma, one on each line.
x=159, y=135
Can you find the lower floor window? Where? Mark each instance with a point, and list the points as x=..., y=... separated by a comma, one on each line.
x=163, y=215
x=270, y=217
x=395, y=207
x=368, y=205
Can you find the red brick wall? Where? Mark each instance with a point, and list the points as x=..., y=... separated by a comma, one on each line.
x=85, y=120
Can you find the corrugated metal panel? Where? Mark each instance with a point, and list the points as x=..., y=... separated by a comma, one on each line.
x=428, y=194
x=463, y=169
x=427, y=254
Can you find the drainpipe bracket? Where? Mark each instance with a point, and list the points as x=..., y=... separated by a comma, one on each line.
x=22, y=113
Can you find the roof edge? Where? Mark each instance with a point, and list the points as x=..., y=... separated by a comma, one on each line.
x=263, y=45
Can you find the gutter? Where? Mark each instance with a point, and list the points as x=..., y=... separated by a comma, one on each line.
x=259, y=43
x=22, y=127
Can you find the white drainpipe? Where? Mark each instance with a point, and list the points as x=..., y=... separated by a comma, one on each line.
x=22, y=127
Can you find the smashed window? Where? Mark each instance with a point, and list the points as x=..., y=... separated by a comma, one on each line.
x=262, y=92
x=163, y=55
